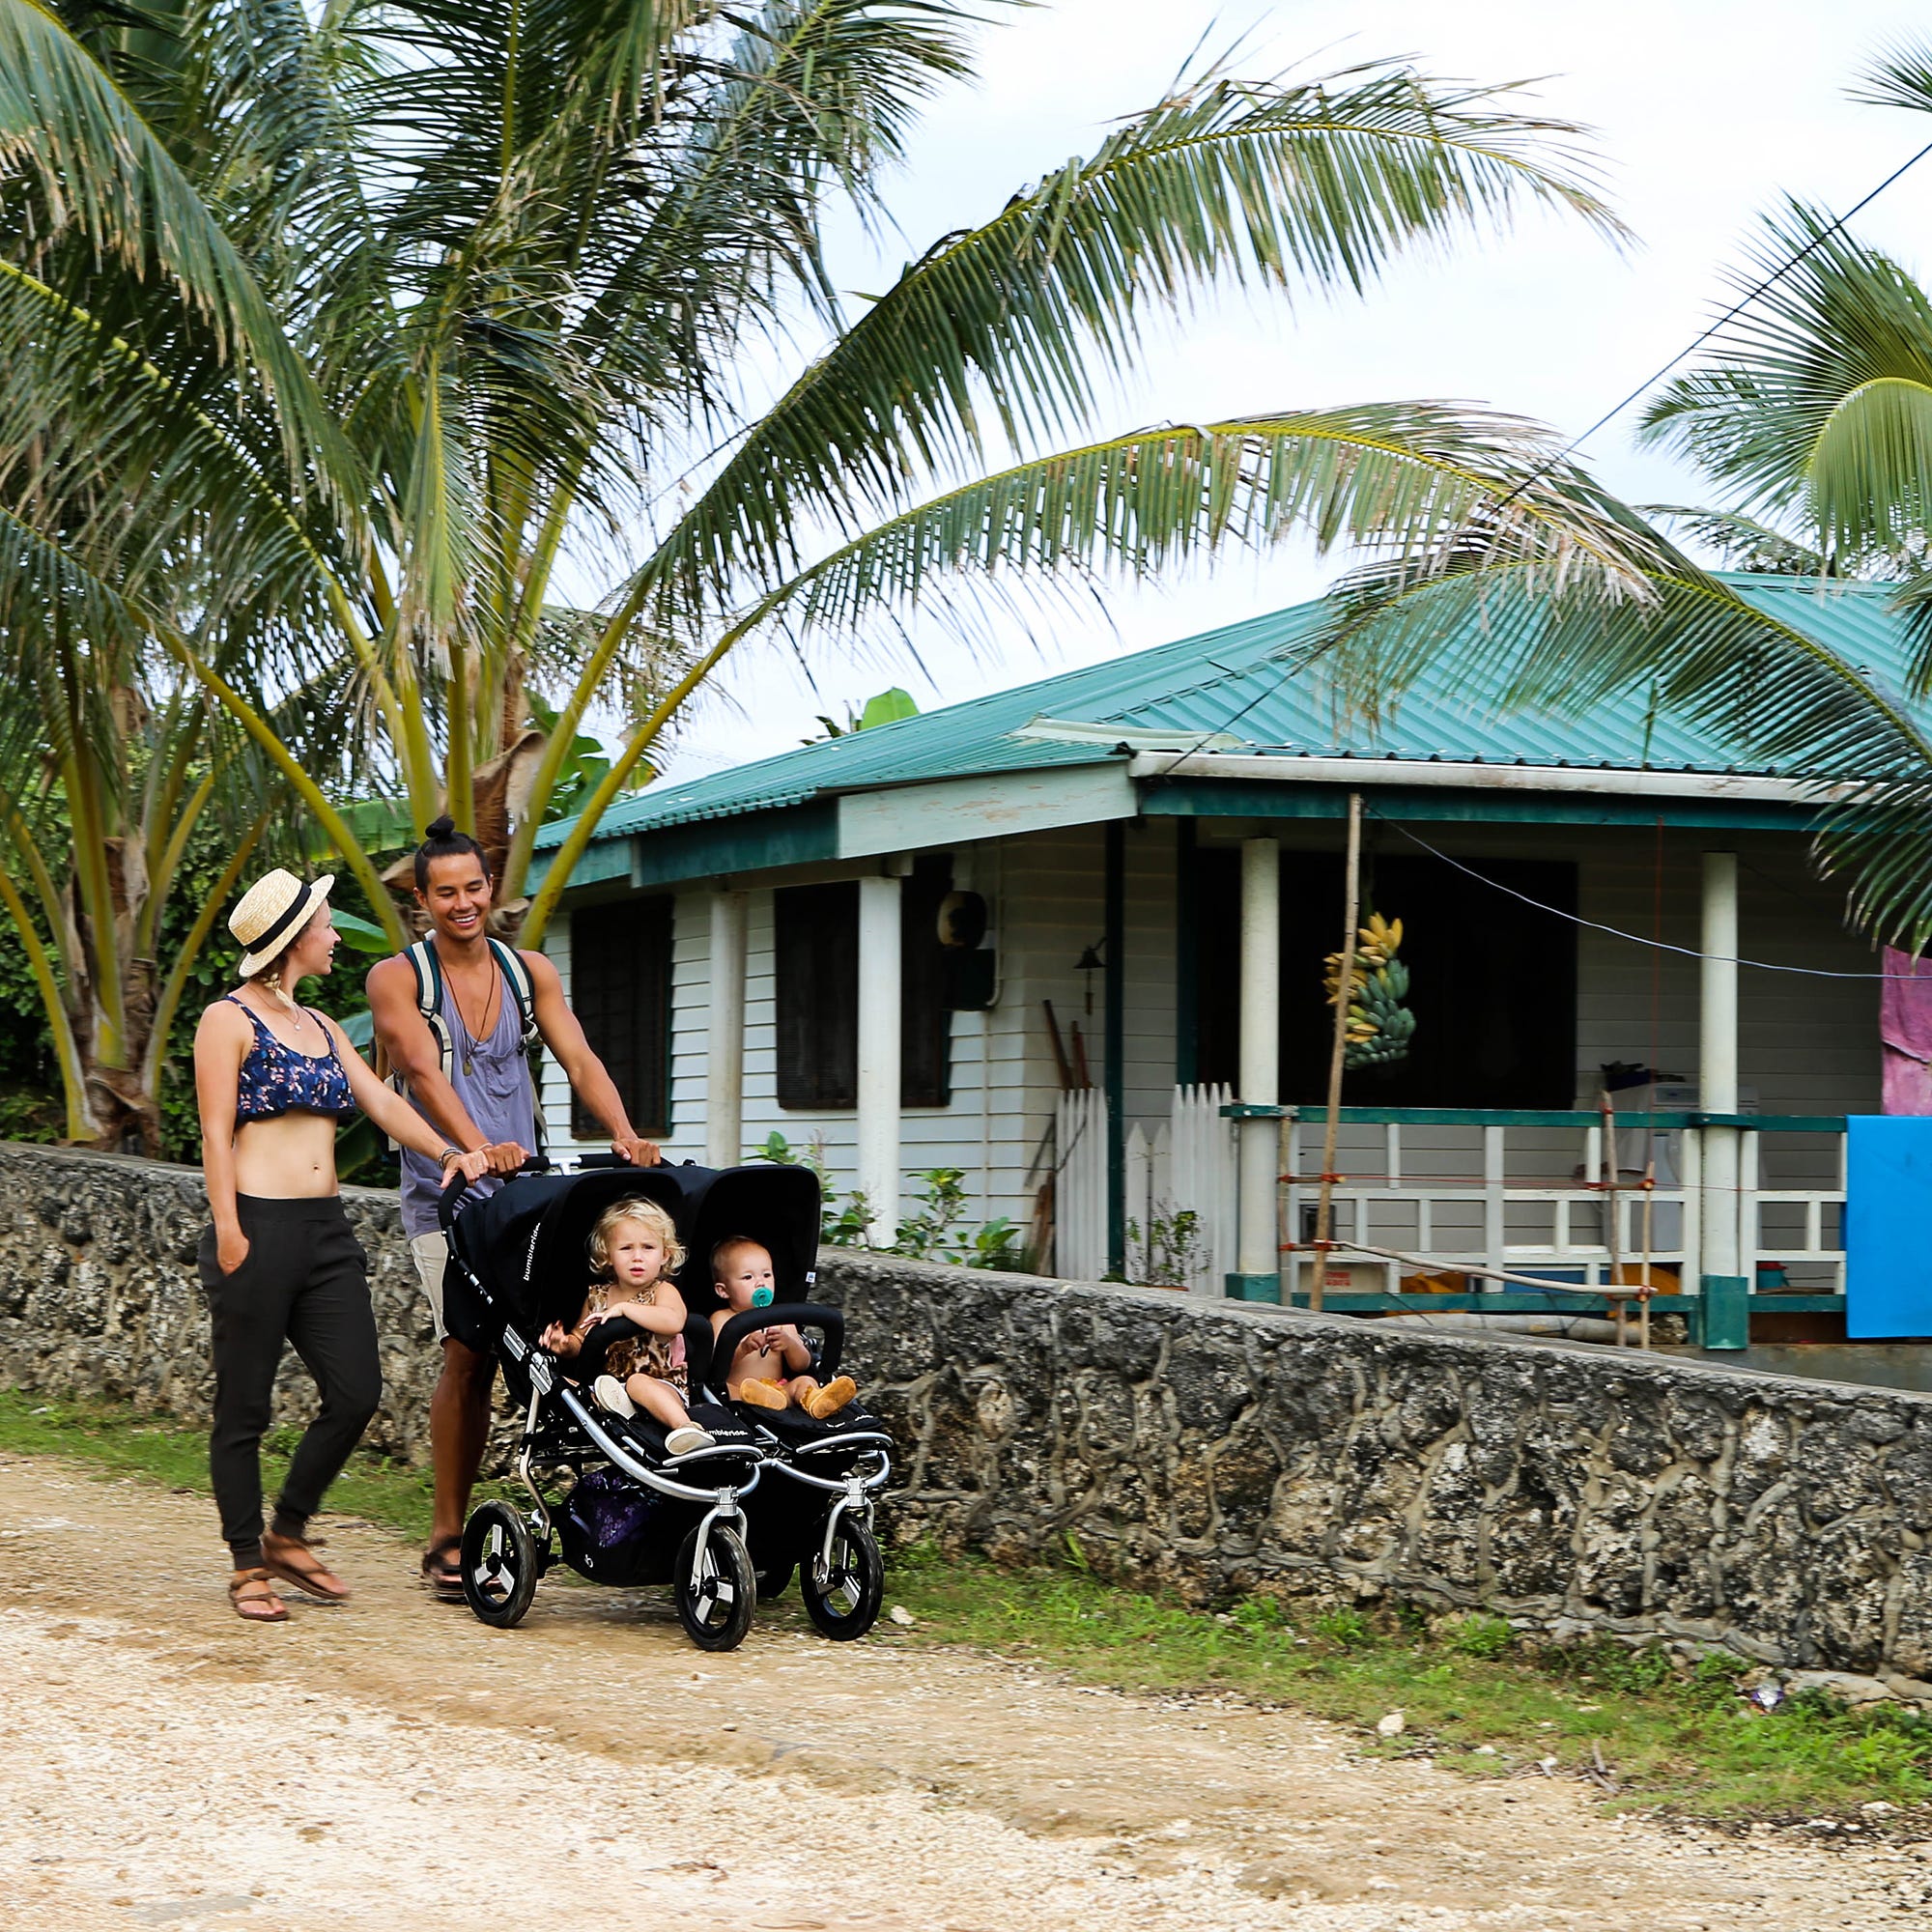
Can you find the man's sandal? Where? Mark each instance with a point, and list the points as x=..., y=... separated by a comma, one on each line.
x=442, y=1569
x=292, y=1559
x=254, y=1598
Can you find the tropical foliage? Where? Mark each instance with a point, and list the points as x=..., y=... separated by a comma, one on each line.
x=1812, y=414
x=374, y=389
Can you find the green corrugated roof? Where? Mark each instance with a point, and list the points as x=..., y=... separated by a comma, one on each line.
x=1229, y=681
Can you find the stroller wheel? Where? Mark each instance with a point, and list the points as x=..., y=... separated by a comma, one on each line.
x=842, y=1597
x=775, y=1581
x=500, y=1565
x=715, y=1588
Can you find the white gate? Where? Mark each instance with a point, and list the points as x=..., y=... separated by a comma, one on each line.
x=1080, y=1186
x=1200, y=1181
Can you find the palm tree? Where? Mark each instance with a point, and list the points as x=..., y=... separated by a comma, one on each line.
x=335, y=345
x=1812, y=414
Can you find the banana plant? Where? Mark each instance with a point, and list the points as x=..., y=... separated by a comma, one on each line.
x=335, y=344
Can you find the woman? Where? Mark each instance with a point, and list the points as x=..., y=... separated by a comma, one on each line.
x=280, y=1261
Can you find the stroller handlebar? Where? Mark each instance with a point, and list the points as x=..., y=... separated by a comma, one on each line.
x=459, y=1186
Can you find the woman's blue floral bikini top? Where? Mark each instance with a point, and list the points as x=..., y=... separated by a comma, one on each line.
x=276, y=1079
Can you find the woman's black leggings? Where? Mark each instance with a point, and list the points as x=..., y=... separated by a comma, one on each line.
x=305, y=1280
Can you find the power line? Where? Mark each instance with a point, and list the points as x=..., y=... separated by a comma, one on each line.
x=1729, y=315
x=1618, y=932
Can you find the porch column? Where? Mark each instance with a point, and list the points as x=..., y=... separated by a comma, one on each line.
x=725, y=1034
x=1258, y=1256
x=879, y=994
x=1723, y=1282
x=1112, y=949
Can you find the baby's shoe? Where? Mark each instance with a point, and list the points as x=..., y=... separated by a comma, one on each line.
x=762, y=1395
x=832, y=1397
x=611, y=1397
x=682, y=1441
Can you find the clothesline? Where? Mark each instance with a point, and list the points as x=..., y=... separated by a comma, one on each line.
x=1637, y=938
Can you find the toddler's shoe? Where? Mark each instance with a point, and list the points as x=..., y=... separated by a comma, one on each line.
x=762, y=1395
x=832, y=1397
x=682, y=1441
x=611, y=1397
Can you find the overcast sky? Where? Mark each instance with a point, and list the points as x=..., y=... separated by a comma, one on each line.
x=1704, y=110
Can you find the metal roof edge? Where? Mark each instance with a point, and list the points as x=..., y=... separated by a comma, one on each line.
x=1290, y=768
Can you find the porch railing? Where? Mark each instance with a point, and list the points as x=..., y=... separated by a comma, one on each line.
x=1549, y=1194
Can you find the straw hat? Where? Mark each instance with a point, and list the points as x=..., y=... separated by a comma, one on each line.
x=272, y=912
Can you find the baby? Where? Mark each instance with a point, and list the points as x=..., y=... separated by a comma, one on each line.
x=634, y=1249
x=769, y=1368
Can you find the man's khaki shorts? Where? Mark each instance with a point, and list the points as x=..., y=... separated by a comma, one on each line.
x=432, y=1253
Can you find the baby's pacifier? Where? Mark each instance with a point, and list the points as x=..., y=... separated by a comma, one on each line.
x=762, y=1297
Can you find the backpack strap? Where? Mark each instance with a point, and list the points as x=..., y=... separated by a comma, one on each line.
x=515, y=973
x=511, y=964
x=428, y=968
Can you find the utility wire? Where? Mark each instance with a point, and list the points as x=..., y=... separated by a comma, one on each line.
x=1618, y=932
x=1730, y=315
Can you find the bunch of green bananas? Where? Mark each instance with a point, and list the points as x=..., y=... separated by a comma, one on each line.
x=1379, y=1027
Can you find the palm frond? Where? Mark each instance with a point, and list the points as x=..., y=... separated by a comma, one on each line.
x=1816, y=403
x=1390, y=480
x=1027, y=316
x=101, y=176
x=1745, y=543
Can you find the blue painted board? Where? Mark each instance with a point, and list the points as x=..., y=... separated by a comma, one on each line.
x=1887, y=1227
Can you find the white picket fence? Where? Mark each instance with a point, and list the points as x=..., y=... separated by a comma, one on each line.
x=1179, y=1186
x=1080, y=1186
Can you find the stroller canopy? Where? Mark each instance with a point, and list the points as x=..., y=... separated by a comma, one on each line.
x=529, y=1242
x=776, y=1206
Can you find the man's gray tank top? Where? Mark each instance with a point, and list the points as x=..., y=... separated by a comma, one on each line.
x=492, y=1078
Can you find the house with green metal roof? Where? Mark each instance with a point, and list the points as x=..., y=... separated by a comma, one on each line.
x=1068, y=939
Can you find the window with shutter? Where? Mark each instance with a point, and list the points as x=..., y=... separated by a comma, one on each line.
x=620, y=990
x=815, y=933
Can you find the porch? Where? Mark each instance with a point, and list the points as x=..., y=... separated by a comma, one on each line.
x=1126, y=1029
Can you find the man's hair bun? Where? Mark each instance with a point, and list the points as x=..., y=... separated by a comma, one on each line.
x=443, y=840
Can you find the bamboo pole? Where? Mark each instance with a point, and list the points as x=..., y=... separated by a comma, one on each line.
x=1324, y=1196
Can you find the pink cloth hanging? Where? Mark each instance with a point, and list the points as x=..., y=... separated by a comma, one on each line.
x=1905, y=1027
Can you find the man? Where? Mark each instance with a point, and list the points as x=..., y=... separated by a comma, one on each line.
x=474, y=1084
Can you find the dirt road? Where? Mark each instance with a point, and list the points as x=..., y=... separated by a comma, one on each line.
x=394, y=1764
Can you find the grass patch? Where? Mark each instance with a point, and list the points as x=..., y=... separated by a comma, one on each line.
x=1670, y=1734
x=1673, y=1735
x=118, y=1441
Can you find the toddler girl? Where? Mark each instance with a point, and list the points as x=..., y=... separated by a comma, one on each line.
x=633, y=1250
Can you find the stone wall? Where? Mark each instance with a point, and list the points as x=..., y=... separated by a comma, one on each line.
x=1216, y=1449
x=1230, y=1449
x=100, y=1298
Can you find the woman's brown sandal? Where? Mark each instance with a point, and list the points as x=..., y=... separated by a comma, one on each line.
x=442, y=1569
x=292, y=1559
x=254, y=1598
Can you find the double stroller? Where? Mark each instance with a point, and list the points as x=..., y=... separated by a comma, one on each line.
x=776, y=1492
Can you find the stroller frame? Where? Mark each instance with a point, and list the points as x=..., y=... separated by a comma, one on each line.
x=817, y=1521
x=505, y=1554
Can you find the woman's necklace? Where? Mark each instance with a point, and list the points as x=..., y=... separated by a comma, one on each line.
x=474, y=1035
x=281, y=998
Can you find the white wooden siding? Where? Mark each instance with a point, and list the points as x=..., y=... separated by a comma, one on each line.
x=1807, y=1046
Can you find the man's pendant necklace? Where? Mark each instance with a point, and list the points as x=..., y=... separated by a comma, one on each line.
x=470, y=1048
